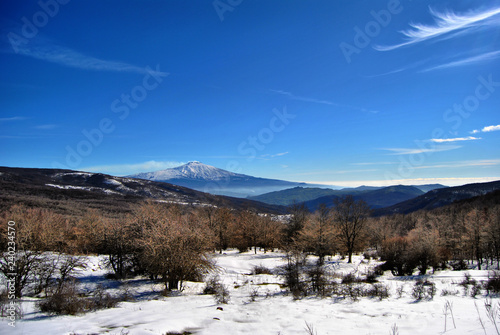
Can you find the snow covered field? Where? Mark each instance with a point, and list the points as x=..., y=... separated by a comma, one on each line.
x=273, y=311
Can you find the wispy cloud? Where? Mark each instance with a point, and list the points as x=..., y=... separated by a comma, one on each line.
x=319, y=101
x=467, y=61
x=13, y=118
x=450, y=181
x=128, y=169
x=50, y=52
x=445, y=23
x=456, y=139
x=486, y=129
x=266, y=156
x=46, y=126
x=460, y=164
x=412, y=151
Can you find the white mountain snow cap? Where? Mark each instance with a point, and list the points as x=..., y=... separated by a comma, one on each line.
x=191, y=170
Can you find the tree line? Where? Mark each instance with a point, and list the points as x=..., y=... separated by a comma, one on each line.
x=172, y=243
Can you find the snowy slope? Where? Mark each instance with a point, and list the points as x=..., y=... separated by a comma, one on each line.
x=191, y=170
x=272, y=312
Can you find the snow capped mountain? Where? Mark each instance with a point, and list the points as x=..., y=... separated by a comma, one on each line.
x=191, y=170
x=213, y=180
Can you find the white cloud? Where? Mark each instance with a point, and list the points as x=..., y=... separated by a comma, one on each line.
x=452, y=181
x=444, y=23
x=490, y=128
x=467, y=61
x=412, y=151
x=60, y=55
x=486, y=129
x=274, y=155
x=319, y=101
x=46, y=126
x=456, y=139
x=13, y=118
x=460, y=164
x=128, y=169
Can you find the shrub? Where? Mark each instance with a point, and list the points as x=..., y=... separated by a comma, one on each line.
x=214, y=286
x=64, y=300
x=222, y=295
x=349, y=278
x=446, y=292
x=353, y=291
x=400, y=290
x=261, y=270
x=371, y=277
x=493, y=283
x=475, y=290
x=254, y=293
x=101, y=300
x=423, y=289
x=378, y=291
x=458, y=265
x=319, y=282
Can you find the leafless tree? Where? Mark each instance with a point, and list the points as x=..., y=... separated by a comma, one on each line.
x=350, y=217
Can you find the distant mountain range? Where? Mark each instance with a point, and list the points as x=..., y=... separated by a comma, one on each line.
x=74, y=192
x=206, y=178
x=375, y=197
x=440, y=197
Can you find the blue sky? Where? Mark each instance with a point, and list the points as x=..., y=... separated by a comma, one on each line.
x=337, y=92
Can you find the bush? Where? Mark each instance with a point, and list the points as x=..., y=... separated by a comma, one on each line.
x=458, y=265
x=378, y=291
x=371, y=277
x=214, y=286
x=66, y=300
x=423, y=290
x=446, y=292
x=222, y=295
x=318, y=280
x=493, y=283
x=261, y=270
x=349, y=278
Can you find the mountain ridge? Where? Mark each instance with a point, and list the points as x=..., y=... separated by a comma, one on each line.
x=67, y=189
x=209, y=179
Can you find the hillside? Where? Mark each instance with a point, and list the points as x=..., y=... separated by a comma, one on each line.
x=377, y=198
x=440, y=197
x=74, y=192
x=294, y=195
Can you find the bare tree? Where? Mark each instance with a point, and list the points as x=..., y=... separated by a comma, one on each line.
x=299, y=217
x=173, y=246
x=350, y=219
x=318, y=234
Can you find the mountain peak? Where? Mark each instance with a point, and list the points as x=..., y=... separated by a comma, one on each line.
x=191, y=170
x=207, y=178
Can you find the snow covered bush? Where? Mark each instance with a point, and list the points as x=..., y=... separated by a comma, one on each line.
x=423, y=290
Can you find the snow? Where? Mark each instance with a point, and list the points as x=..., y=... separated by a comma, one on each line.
x=191, y=170
x=113, y=182
x=273, y=311
x=69, y=187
